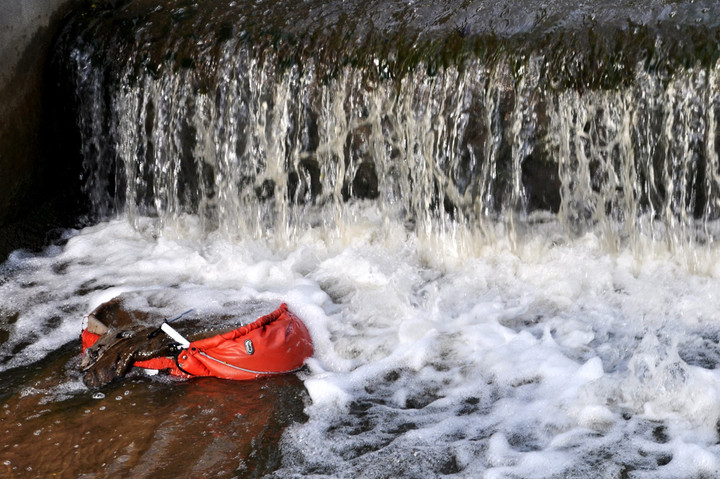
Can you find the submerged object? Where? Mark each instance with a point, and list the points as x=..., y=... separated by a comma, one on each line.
x=277, y=343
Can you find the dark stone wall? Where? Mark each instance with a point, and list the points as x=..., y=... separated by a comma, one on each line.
x=39, y=175
x=30, y=172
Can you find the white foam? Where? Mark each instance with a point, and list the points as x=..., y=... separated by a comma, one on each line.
x=325, y=392
x=529, y=359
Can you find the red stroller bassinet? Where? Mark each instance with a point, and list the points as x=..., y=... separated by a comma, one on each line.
x=276, y=343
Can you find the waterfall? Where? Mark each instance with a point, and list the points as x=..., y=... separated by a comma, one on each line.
x=497, y=220
x=269, y=126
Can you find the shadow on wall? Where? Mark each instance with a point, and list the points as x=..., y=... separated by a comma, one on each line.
x=39, y=168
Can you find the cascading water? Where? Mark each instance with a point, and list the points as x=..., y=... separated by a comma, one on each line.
x=498, y=221
x=247, y=126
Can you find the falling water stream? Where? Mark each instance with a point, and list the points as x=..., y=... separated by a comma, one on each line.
x=498, y=221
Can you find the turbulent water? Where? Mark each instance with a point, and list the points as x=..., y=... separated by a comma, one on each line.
x=499, y=230
x=544, y=358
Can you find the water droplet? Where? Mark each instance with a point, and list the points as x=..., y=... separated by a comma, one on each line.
x=98, y=396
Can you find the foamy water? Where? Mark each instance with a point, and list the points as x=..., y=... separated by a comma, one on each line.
x=538, y=357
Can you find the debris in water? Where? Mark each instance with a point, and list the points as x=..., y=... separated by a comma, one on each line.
x=113, y=343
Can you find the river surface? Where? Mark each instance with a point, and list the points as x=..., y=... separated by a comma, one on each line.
x=540, y=357
x=500, y=229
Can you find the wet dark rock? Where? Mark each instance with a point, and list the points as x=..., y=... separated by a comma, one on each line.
x=304, y=182
x=364, y=184
x=113, y=355
x=125, y=337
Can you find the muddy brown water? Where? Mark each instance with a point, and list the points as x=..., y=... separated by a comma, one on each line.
x=139, y=426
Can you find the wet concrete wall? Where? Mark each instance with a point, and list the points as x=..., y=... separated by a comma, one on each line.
x=27, y=30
